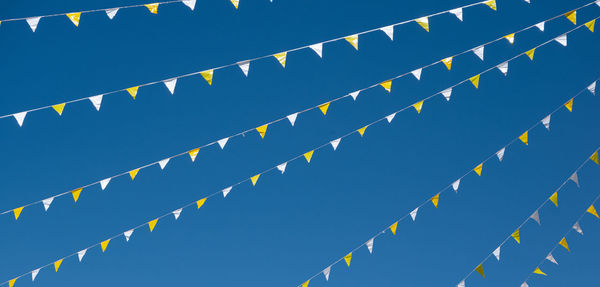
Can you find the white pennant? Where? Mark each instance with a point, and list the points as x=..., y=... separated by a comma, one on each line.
x=447, y=93
x=111, y=13
x=81, y=253
x=390, y=117
x=33, y=22
x=226, y=191
x=354, y=95
x=34, y=274
x=500, y=154
x=417, y=73
x=578, y=228
x=292, y=118
x=562, y=39
x=461, y=284
x=171, y=85
x=176, y=213
x=370, y=245
x=413, y=213
x=497, y=253
x=335, y=143
x=245, y=66
x=536, y=216
x=281, y=167
x=222, y=142
x=104, y=183
x=546, y=122
x=163, y=163
x=458, y=13
x=455, y=185
x=190, y=3
x=503, y=68
x=479, y=52
x=326, y=272
x=20, y=117
x=389, y=31
x=525, y=283
x=551, y=259
x=592, y=88
x=47, y=202
x=598, y=3
x=318, y=48
x=540, y=26
x=96, y=101
x=575, y=178
x=127, y=234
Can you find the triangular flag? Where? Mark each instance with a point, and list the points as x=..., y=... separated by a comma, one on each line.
x=177, y=213
x=479, y=52
x=308, y=155
x=153, y=8
x=74, y=17
x=590, y=25
x=389, y=31
x=171, y=85
x=76, y=194
x=163, y=163
x=81, y=254
x=318, y=48
x=193, y=153
x=104, y=244
x=458, y=13
x=539, y=271
x=34, y=274
x=353, y=40
x=447, y=93
x=530, y=53
x=222, y=142
x=354, y=95
x=575, y=178
x=478, y=169
x=554, y=198
x=592, y=210
x=324, y=108
x=127, y=234
x=562, y=39
x=540, y=26
x=254, y=179
x=59, y=108
x=326, y=272
x=20, y=117
x=282, y=167
x=370, y=245
x=390, y=117
x=112, y=12
x=292, y=118
x=47, y=202
x=448, y=62
x=594, y=157
x=413, y=214
x=572, y=16
x=417, y=73
x=348, y=258
x=479, y=270
x=551, y=259
x=475, y=81
x=435, y=200
x=152, y=224
x=503, y=68
x=455, y=185
x=424, y=22
x=569, y=105
x=133, y=173
x=262, y=130
x=305, y=284
x=578, y=228
x=525, y=138
x=491, y=4
x=190, y=3
x=387, y=85
x=104, y=183
x=235, y=3
x=394, y=227
x=536, y=216
x=461, y=284
x=497, y=253
x=33, y=22
x=546, y=122
x=245, y=66
x=418, y=106
x=17, y=212
x=57, y=264
x=281, y=58
x=226, y=191
x=592, y=88
x=563, y=243
x=133, y=91
x=500, y=154
x=516, y=236
x=510, y=38
x=200, y=202
x=208, y=76
x=335, y=143
x=361, y=131
x=96, y=101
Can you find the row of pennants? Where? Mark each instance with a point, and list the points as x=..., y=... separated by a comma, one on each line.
x=524, y=138
x=262, y=130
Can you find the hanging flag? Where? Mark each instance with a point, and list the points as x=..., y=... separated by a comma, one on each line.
x=418, y=106
x=536, y=216
x=500, y=154
x=171, y=85
x=104, y=183
x=47, y=203
x=569, y=105
x=551, y=259
x=423, y=22
x=448, y=62
x=361, y=131
x=475, y=81
x=133, y=91
x=308, y=155
x=59, y=108
x=292, y=118
x=153, y=8
x=17, y=212
x=245, y=66
x=387, y=85
x=326, y=272
x=20, y=117
x=389, y=31
x=554, y=198
x=417, y=73
x=390, y=117
x=370, y=245
x=193, y=153
x=592, y=210
x=324, y=108
x=546, y=122
x=497, y=253
x=458, y=13
x=200, y=202
x=394, y=227
x=572, y=16
x=76, y=194
x=34, y=274
x=111, y=13
x=479, y=52
x=96, y=101
x=524, y=137
x=491, y=4
x=510, y=38
x=222, y=142
x=354, y=95
x=81, y=254
x=435, y=200
x=540, y=26
x=478, y=169
x=281, y=57
x=461, y=284
x=262, y=130
x=33, y=22
x=578, y=228
x=318, y=48
x=104, y=244
x=127, y=234
x=592, y=88
x=281, y=167
x=455, y=185
x=57, y=264
x=226, y=191
x=254, y=179
x=190, y=3
x=503, y=68
x=348, y=258
x=235, y=3
x=575, y=178
x=133, y=173
x=74, y=17
x=479, y=270
x=208, y=76
x=539, y=271
x=335, y=143
x=594, y=157
x=447, y=93
x=152, y=224
x=177, y=213
x=590, y=25
x=530, y=53
x=305, y=284
x=562, y=39
x=516, y=236
x=563, y=243
x=413, y=214
x=353, y=40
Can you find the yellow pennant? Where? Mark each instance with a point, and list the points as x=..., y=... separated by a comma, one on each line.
x=133, y=173
x=11, y=282
x=418, y=106
x=324, y=108
x=491, y=4
x=569, y=105
x=74, y=17
x=592, y=210
x=435, y=200
x=361, y=131
x=76, y=194
x=305, y=284
x=572, y=16
x=394, y=227
x=57, y=264
x=479, y=270
x=478, y=169
x=200, y=202
x=281, y=58
x=17, y=212
x=353, y=40
x=563, y=243
x=525, y=138
x=308, y=155
x=193, y=153
x=262, y=130
x=594, y=157
x=254, y=179
x=510, y=38
x=516, y=236
x=235, y=3
x=448, y=62
x=590, y=25
x=104, y=244
x=152, y=224
x=475, y=81
x=152, y=7
x=554, y=198
x=387, y=85
x=424, y=22
x=208, y=76
x=530, y=53
x=59, y=108
x=133, y=91
x=539, y=271
x=348, y=258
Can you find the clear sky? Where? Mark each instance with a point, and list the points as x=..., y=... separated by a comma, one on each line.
x=290, y=227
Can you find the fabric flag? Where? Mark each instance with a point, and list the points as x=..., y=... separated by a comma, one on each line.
x=500, y=154
x=74, y=17
x=455, y=185
x=308, y=155
x=540, y=26
x=104, y=244
x=348, y=258
x=590, y=25
x=479, y=270
x=236, y=3
x=578, y=228
x=133, y=173
x=292, y=118
x=318, y=48
x=551, y=259
x=458, y=13
x=34, y=274
x=326, y=272
x=324, y=108
x=353, y=40
x=417, y=73
x=592, y=88
x=254, y=179
x=569, y=105
x=127, y=234
x=281, y=57
x=562, y=39
x=262, y=130
x=153, y=8
x=59, y=108
x=104, y=183
x=281, y=167
x=461, y=284
x=370, y=245
x=226, y=191
x=536, y=216
x=47, y=203
x=447, y=93
x=390, y=117
x=539, y=271
x=491, y=4
x=171, y=85
x=17, y=212
x=33, y=22
x=76, y=194
x=479, y=52
x=389, y=31
x=497, y=253
x=524, y=138
x=245, y=66
x=594, y=157
x=554, y=198
x=546, y=122
x=208, y=76
x=435, y=200
x=475, y=81
x=478, y=169
x=200, y=202
x=133, y=91
x=305, y=284
x=20, y=117
x=96, y=101
x=152, y=224
x=57, y=264
x=335, y=143
x=387, y=85
x=424, y=22
x=448, y=62
x=111, y=13
x=530, y=53
x=177, y=213
x=572, y=16
x=361, y=131
x=190, y=3
x=592, y=210
x=516, y=236
x=193, y=153
x=575, y=178
x=563, y=243
x=503, y=68
x=354, y=95
x=510, y=38
x=163, y=163
x=413, y=214
x=394, y=227
x=222, y=142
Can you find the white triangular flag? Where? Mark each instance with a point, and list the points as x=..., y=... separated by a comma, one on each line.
x=536, y=216
x=163, y=163
x=575, y=178
x=292, y=118
x=80, y=254
x=111, y=13
x=390, y=117
x=551, y=259
x=190, y=3
x=33, y=22
x=503, y=68
x=245, y=66
x=546, y=122
x=222, y=142
x=525, y=283
x=479, y=52
x=226, y=191
x=281, y=167
x=562, y=39
x=96, y=101
x=20, y=117
x=447, y=93
x=335, y=143
x=354, y=95
x=592, y=88
x=326, y=272
x=413, y=213
x=578, y=228
x=455, y=185
x=417, y=73
x=127, y=234
x=598, y=3
x=104, y=183
x=318, y=48
x=500, y=154
x=47, y=202
x=497, y=253
x=540, y=26
x=177, y=213
x=389, y=31
x=34, y=274
x=171, y=85
x=461, y=284
x=458, y=13
x=370, y=245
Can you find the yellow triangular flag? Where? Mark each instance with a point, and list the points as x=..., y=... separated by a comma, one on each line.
x=200, y=202
x=308, y=155
x=435, y=200
x=59, y=108
x=235, y=3
x=104, y=244
x=418, y=106
x=394, y=227
x=479, y=270
x=281, y=58
x=572, y=16
x=133, y=91
x=193, y=153
x=17, y=212
x=152, y=7
x=387, y=85
x=57, y=264
x=594, y=157
x=510, y=38
x=208, y=75
x=305, y=284
x=133, y=173
x=11, y=282
x=324, y=108
x=254, y=179
x=590, y=25
x=478, y=169
x=563, y=243
x=569, y=105
x=353, y=40
x=424, y=22
x=448, y=62
x=525, y=137
x=491, y=4
x=516, y=236
x=554, y=198
x=262, y=130
x=361, y=131
x=152, y=224
x=74, y=18
x=592, y=210
x=76, y=193
x=530, y=53
x=539, y=271
x=475, y=81
x=348, y=258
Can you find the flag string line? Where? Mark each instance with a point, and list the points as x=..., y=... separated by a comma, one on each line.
x=271, y=55
x=202, y=201
x=286, y=117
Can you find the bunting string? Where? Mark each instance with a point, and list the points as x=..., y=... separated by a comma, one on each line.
x=387, y=85
x=281, y=168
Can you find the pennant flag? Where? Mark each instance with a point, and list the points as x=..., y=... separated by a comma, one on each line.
x=478, y=169
x=497, y=253
x=569, y=105
x=394, y=227
x=475, y=81
x=112, y=12
x=594, y=157
x=572, y=16
x=96, y=101
x=361, y=131
x=292, y=118
x=370, y=245
x=455, y=185
x=34, y=274
x=47, y=203
x=417, y=73
x=540, y=26
x=390, y=117
x=590, y=25
x=281, y=58
x=539, y=271
x=254, y=179
x=524, y=137
x=536, y=216
x=353, y=40
x=413, y=213
x=326, y=272
x=562, y=39
x=282, y=167
x=17, y=212
x=530, y=53
x=190, y=3
x=235, y=3
x=516, y=236
x=575, y=178
x=551, y=259
x=348, y=258
x=104, y=244
x=458, y=13
x=57, y=264
x=20, y=117
x=200, y=202
x=177, y=213
x=491, y=4
x=81, y=254
x=59, y=108
x=318, y=48
x=578, y=228
x=133, y=173
x=592, y=210
x=305, y=284
x=354, y=95
x=335, y=143
x=193, y=153
x=74, y=17
x=33, y=22
x=324, y=108
x=503, y=68
x=76, y=194
x=104, y=183
x=262, y=130
x=563, y=243
x=222, y=142
x=153, y=8
x=479, y=52
x=171, y=85
x=546, y=122
x=127, y=234
x=208, y=76
x=152, y=224
x=133, y=91
x=461, y=284
x=448, y=62
x=479, y=270
x=387, y=85
x=308, y=155
x=554, y=198
x=227, y=191
x=245, y=66
x=510, y=38
x=500, y=154
x=435, y=200
x=447, y=93
x=389, y=31
x=592, y=88
x=424, y=22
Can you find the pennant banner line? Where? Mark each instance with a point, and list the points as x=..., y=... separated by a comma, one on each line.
x=253, y=180
x=281, y=57
x=262, y=130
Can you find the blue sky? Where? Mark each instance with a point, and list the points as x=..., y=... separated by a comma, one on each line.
x=290, y=227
